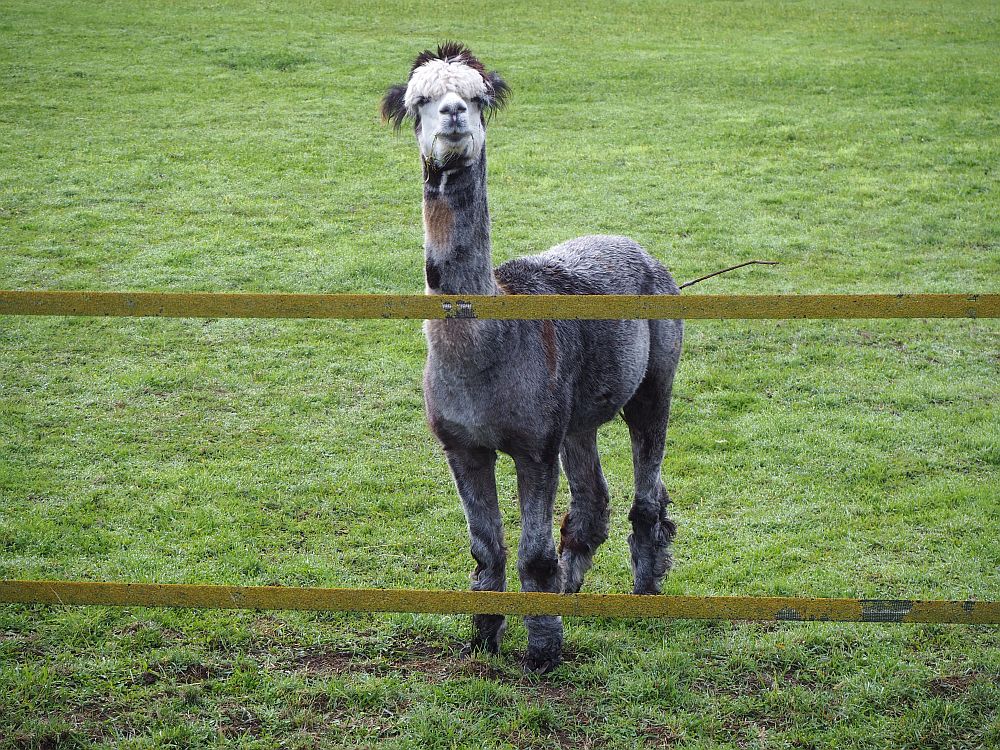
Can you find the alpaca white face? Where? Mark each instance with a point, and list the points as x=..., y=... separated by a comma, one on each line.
x=449, y=95
x=450, y=128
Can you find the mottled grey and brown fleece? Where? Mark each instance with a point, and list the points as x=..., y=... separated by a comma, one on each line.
x=539, y=390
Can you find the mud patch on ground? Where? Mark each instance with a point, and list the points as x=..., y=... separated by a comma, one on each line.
x=239, y=721
x=186, y=674
x=19, y=644
x=745, y=683
x=559, y=714
x=660, y=736
x=954, y=685
x=406, y=653
x=410, y=653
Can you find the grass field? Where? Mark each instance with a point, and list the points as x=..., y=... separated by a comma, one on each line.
x=224, y=146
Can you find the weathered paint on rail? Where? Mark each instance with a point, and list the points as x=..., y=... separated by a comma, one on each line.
x=509, y=307
x=494, y=602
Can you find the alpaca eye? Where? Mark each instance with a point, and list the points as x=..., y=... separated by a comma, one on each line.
x=421, y=101
x=479, y=101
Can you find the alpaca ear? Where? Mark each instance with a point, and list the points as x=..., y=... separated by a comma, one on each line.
x=499, y=90
x=393, y=108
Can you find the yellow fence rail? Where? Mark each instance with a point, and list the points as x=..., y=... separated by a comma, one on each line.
x=510, y=307
x=500, y=602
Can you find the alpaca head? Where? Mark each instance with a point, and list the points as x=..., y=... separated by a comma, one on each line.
x=449, y=97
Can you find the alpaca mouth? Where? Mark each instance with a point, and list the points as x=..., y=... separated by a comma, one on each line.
x=450, y=150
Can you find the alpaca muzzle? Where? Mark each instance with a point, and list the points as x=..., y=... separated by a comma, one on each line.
x=451, y=149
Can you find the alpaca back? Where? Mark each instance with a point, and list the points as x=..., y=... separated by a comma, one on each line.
x=595, y=264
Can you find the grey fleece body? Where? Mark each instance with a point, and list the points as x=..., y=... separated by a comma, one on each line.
x=538, y=391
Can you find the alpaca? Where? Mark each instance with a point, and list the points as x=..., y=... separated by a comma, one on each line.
x=535, y=390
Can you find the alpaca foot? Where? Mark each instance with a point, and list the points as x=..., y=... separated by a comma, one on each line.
x=647, y=590
x=479, y=647
x=545, y=642
x=487, y=633
x=540, y=662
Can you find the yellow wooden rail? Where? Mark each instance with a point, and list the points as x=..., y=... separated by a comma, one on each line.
x=523, y=307
x=494, y=602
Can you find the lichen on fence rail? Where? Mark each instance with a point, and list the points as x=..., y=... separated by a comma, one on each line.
x=499, y=602
x=510, y=307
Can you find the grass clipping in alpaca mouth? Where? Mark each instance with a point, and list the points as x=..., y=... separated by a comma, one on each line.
x=453, y=160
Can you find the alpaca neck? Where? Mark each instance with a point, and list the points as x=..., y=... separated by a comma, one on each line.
x=457, y=250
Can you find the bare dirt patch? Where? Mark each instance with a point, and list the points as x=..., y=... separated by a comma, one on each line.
x=660, y=736
x=410, y=653
x=950, y=686
x=21, y=644
x=327, y=714
x=407, y=653
x=755, y=683
x=186, y=675
x=240, y=721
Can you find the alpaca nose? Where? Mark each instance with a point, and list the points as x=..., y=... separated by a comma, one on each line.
x=453, y=111
x=453, y=108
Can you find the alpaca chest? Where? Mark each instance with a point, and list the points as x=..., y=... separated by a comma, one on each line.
x=493, y=409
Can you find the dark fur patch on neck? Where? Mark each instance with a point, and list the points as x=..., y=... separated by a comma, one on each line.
x=432, y=176
x=433, y=275
x=434, y=170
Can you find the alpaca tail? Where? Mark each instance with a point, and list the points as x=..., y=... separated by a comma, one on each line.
x=727, y=270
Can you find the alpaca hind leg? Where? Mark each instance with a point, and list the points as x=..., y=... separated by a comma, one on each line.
x=585, y=526
x=647, y=415
x=537, y=563
x=475, y=476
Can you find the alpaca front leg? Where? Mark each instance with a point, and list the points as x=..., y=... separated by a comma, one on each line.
x=475, y=477
x=537, y=562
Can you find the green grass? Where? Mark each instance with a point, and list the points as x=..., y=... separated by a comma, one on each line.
x=228, y=146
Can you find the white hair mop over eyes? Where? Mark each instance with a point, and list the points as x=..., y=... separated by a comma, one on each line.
x=436, y=78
